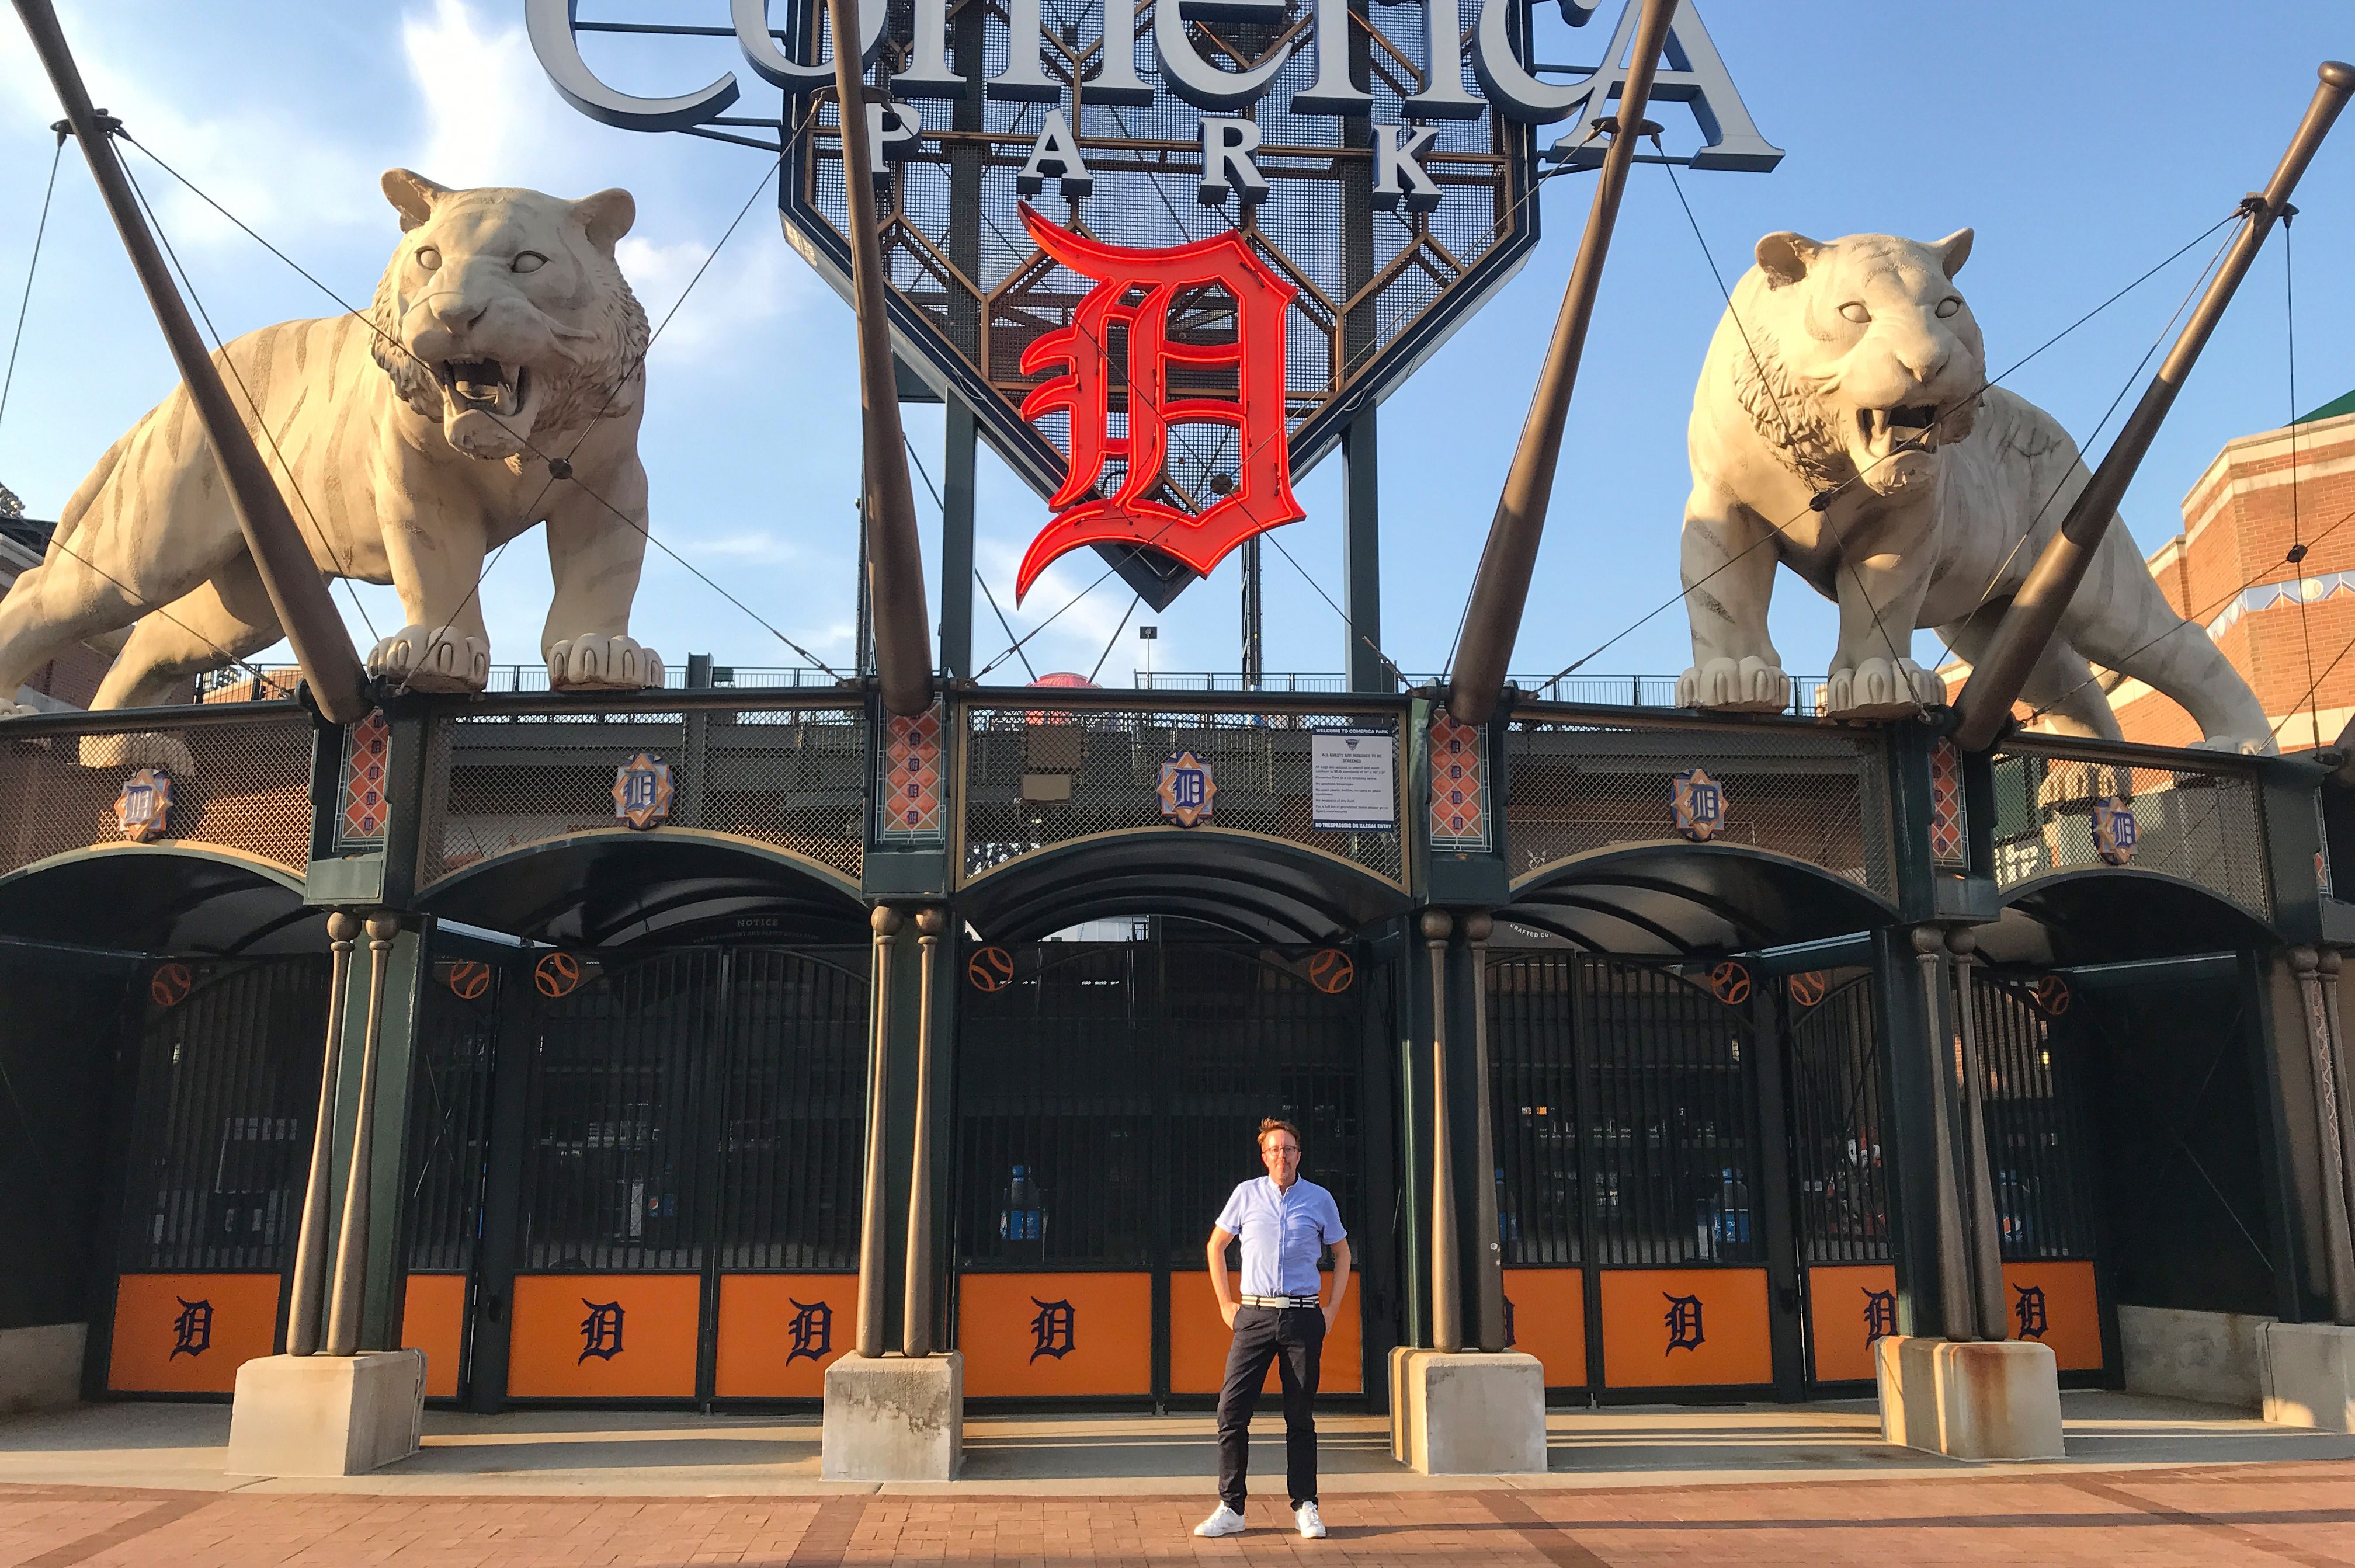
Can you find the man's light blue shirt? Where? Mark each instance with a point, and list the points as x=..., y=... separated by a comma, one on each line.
x=1283, y=1234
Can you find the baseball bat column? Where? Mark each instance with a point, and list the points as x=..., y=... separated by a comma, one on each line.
x=327, y=1407
x=305, y=1318
x=2337, y=1253
x=2027, y=628
x=1968, y=1393
x=1446, y=1268
x=885, y=923
x=1983, y=1239
x=1459, y=1408
x=916, y=1326
x=896, y=1417
x=352, y=1236
x=895, y=560
x=298, y=592
x=1492, y=620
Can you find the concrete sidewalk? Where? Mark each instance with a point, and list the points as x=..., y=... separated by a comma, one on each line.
x=588, y=1454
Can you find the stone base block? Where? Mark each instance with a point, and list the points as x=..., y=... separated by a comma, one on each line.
x=2308, y=1373
x=40, y=1369
x=891, y=1419
x=327, y=1416
x=1468, y=1412
x=2207, y=1355
x=1991, y=1400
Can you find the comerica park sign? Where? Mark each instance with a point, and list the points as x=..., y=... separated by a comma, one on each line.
x=1164, y=251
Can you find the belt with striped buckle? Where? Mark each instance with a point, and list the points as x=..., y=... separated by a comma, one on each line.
x=1283, y=1301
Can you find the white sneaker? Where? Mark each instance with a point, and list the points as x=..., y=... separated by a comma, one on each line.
x=1227, y=1521
x=1312, y=1523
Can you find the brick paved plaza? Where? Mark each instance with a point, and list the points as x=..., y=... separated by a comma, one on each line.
x=2147, y=1482
x=2296, y=1513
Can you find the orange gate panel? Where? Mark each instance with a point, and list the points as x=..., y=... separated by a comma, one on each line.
x=1685, y=1327
x=1847, y=1308
x=189, y=1333
x=434, y=1319
x=1034, y=1335
x=1199, y=1340
x=604, y=1336
x=1546, y=1316
x=2056, y=1304
x=779, y=1332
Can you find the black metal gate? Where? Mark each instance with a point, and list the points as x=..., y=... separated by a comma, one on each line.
x=674, y=1173
x=1108, y=1098
x=1839, y=1175
x=226, y=1091
x=1631, y=1178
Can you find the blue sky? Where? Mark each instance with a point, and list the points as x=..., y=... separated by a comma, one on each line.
x=2084, y=141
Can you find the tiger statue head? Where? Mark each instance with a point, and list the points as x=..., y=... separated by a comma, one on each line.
x=1863, y=359
x=503, y=317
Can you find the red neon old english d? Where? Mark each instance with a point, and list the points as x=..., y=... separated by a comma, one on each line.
x=1135, y=290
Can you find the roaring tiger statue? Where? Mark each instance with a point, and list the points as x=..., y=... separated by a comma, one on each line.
x=499, y=382
x=1850, y=376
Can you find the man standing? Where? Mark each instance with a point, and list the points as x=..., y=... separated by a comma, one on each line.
x=1285, y=1223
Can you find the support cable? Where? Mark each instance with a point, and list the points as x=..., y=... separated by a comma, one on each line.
x=40, y=231
x=261, y=420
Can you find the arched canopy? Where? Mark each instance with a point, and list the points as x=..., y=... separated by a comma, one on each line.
x=2106, y=916
x=1679, y=899
x=613, y=886
x=161, y=898
x=1260, y=888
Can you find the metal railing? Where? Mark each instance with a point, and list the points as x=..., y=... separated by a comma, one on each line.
x=277, y=685
x=1607, y=690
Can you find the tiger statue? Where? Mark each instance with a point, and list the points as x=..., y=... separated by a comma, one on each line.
x=1851, y=375
x=499, y=382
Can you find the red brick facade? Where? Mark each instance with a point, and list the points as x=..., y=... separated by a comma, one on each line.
x=2287, y=625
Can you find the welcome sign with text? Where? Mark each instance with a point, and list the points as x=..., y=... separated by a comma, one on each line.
x=1380, y=160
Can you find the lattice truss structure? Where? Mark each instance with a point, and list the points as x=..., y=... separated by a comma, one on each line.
x=1374, y=291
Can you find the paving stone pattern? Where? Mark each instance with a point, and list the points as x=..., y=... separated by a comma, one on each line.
x=2279, y=1513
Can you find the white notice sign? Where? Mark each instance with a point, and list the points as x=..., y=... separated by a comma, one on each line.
x=1355, y=780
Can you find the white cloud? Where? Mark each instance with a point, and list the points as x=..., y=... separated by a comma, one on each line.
x=485, y=99
x=754, y=281
x=253, y=154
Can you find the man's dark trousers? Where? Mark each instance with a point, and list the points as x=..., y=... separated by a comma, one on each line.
x=1294, y=1337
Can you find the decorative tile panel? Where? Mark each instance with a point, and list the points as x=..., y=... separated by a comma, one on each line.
x=911, y=807
x=1459, y=784
x=367, y=757
x=1947, y=827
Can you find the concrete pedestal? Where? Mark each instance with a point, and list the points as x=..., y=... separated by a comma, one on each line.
x=1988, y=1401
x=327, y=1416
x=40, y=1369
x=2207, y=1355
x=891, y=1419
x=1468, y=1412
x=2308, y=1374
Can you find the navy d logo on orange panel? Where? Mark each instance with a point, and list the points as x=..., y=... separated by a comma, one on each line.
x=1052, y=1329
x=1683, y=1321
x=1880, y=1315
x=600, y=1332
x=2028, y=1313
x=193, y=1328
x=811, y=1330
x=1696, y=806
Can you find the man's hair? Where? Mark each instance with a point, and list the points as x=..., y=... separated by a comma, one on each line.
x=1277, y=1124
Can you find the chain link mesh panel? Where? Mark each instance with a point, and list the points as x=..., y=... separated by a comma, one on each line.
x=2204, y=825
x=1819, y=797
x=793, y=778
x=1035, y=778
x=240, y=786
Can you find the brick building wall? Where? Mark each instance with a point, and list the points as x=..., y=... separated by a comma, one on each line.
x=2287, y=625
